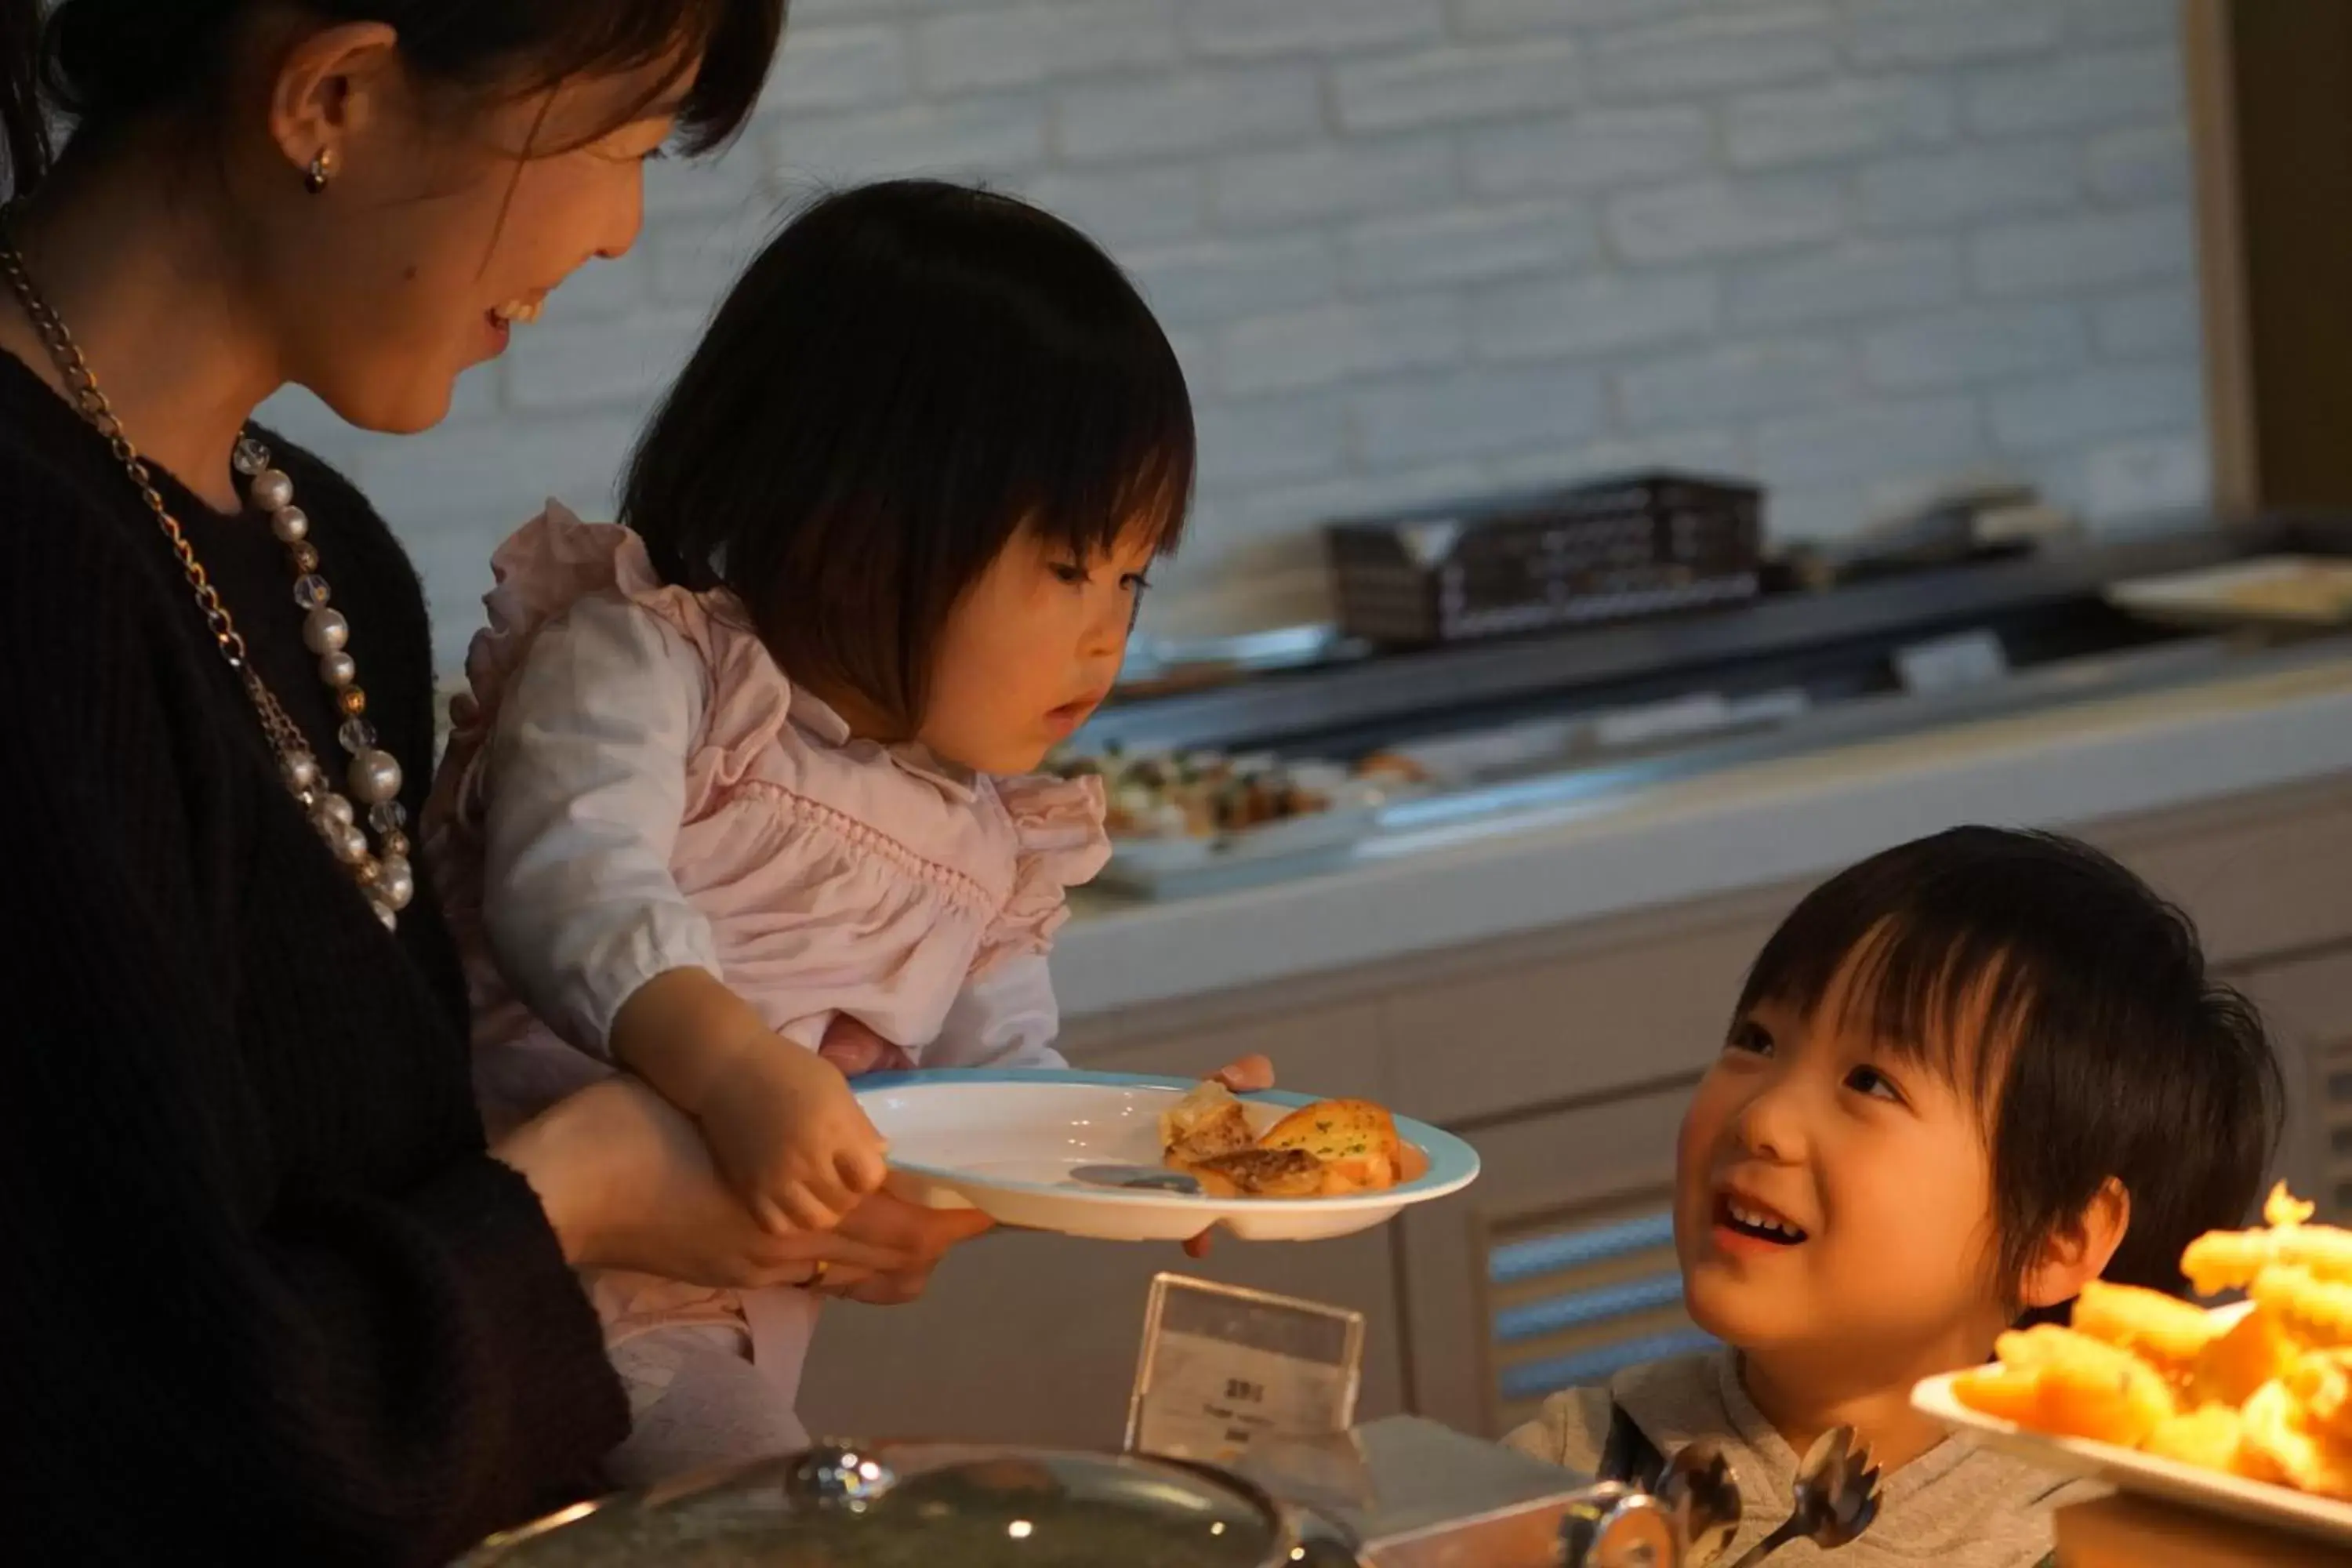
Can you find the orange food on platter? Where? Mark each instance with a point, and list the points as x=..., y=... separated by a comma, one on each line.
x=2321, y=1382
x=2167, y=1332
x=2263, y=1392
x=2209, y=1437
x=2252, y=1353
x=2059, y=1381
x=2282, y=1432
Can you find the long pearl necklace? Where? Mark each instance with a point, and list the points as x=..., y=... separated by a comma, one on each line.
x=372, y=776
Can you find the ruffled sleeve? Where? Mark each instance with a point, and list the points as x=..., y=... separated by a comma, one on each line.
x=562, y=789
x=1057, y=825
x=589, y=758
x=545, y=567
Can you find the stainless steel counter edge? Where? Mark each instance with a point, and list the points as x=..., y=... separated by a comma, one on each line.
x=1418, y=682
x=1743, y=827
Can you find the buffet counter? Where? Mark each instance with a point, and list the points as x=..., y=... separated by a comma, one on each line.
x=2287, y=721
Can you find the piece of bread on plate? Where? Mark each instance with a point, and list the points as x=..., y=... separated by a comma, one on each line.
x=1354, y=1142
x=1205, y=1123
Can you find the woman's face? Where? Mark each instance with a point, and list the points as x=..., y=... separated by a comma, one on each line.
x=445, y=220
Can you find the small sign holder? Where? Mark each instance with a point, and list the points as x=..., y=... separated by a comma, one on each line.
x=1222, y=1367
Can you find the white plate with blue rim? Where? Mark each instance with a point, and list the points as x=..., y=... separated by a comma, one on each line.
x=1079, y=1153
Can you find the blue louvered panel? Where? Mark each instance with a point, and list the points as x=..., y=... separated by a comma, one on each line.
x=1582, y=1298
x=1518, y=1261
x=1583, y=1308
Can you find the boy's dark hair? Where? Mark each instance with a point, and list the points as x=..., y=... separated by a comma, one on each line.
x=907, y=376
x=2074, y=1005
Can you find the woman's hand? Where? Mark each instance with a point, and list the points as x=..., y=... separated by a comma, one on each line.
x=923, y=1235
x=628, y=1182
x=858, y=1051
x=1249, y=1073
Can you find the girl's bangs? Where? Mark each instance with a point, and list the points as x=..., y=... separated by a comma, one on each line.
x=1123, y=462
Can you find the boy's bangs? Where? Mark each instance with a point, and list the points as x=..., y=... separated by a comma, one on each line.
x=1931, y=988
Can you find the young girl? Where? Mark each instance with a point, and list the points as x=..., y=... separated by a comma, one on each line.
x=1966, y=1076
x=761, y=759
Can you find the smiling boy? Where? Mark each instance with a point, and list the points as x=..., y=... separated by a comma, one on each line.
x=1965, y=1077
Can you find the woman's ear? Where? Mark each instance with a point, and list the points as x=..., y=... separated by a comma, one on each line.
x=325, y=92
x=2076, y=1253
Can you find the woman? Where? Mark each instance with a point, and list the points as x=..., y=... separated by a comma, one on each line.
x=265, y=1284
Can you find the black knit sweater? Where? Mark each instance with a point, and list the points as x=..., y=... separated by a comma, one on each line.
x=262, y=1293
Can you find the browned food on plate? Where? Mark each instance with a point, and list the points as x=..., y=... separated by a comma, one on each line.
x=1195, y=795
x=1261, y=1173
x=1329, y=1149
x=1355, y=1140
x=1391, y=765
x=1205, y=1123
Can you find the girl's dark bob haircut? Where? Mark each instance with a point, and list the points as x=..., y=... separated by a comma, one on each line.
x=909, y=374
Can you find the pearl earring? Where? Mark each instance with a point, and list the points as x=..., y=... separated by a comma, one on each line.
x=321, y=170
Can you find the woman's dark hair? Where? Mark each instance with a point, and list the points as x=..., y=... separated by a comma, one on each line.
x=907, y=376
x=2074, y=1005
x=104, y=63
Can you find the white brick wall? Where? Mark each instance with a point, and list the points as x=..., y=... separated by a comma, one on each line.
x=1410, y=249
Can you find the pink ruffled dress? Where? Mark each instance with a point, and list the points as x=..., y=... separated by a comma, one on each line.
x=634, y=785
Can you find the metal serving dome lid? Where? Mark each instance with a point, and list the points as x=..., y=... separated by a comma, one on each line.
x=920, y=1505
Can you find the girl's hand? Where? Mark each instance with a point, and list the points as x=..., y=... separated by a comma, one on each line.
x=1251, y=1072
x=781, y=1122
x=628, y=1182
x=784, y=1125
